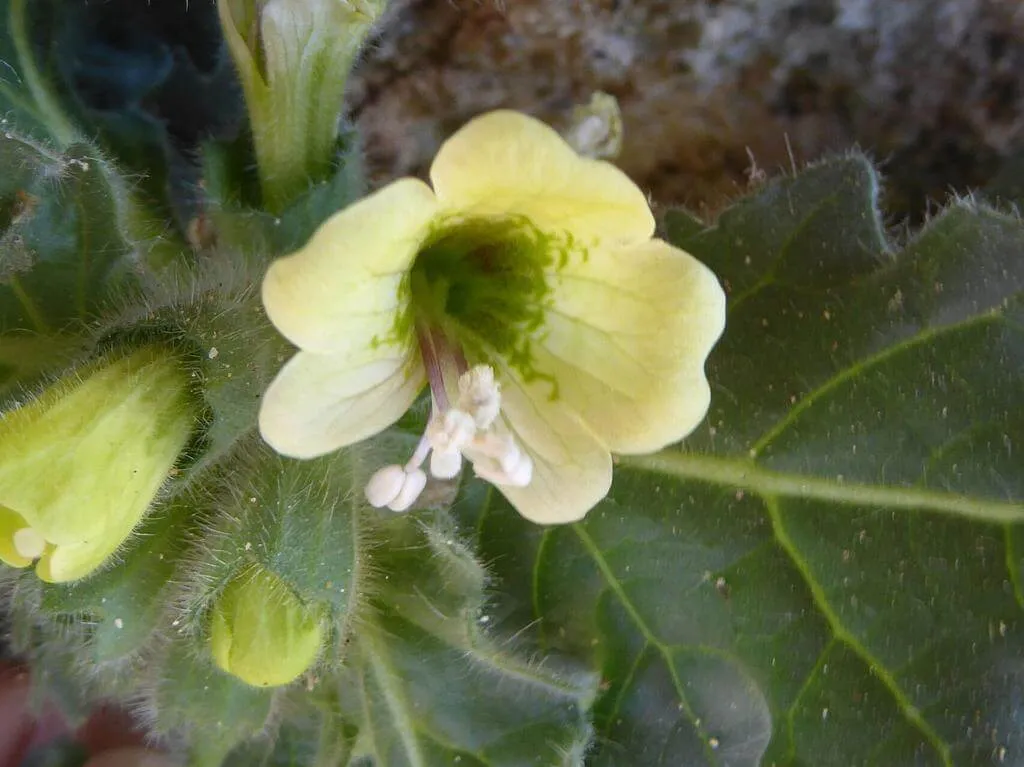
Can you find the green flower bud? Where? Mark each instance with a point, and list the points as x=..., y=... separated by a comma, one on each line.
x=262, y=633
x=293, y=58
x=81, y=464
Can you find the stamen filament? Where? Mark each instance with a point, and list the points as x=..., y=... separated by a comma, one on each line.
x=466, y=430
x=432, y=364
x=419, y=454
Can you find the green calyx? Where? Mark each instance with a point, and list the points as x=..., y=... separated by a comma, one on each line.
x=484, y=283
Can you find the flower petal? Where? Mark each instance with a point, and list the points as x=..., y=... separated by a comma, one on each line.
x=572, y=470
x=341, y=290
x=73, y=561
x=627, y=337
x=320, y=403
x=10, y=523
x=505, y=162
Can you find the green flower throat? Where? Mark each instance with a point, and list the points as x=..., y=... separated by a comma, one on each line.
x=483, y=283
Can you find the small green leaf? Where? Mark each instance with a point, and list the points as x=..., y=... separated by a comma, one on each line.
x=62, y=245
x=829, y=572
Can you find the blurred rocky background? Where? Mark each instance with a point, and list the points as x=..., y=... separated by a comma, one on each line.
x=712, y=91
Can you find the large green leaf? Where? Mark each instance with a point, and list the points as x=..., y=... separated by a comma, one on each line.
x=828, y=572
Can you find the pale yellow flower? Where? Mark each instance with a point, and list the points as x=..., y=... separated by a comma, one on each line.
x=527, y=290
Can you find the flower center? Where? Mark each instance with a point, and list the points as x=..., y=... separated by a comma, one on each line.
x=468, y=429
x=483, y=281
x=478, y=290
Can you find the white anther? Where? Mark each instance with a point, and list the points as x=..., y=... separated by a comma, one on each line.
x=415, y=481
x=445, y=464
x=513, y=457
x=517, y=475
x=501, y=448
x=451, y=431
x=385, y=485
x=29, y=543
x=521, y=474
x=480, y=395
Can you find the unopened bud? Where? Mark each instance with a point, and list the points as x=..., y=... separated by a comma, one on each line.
x=262, y=633
x=596, y=129
x=293, y=58
x=81, y=464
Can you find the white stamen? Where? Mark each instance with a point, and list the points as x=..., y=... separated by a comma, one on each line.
x=415, y=481
x=395, y=486
x=518, y=475
x=419, y=455
x=445, y=464
x=501, y=448
x=451, y=431
x=465, y=430
x=385, y=485
x=498, y=459
x=522, y=473
x=29, y=543
x=480, y=395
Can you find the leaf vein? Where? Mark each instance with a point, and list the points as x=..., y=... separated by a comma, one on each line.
x=613, y=583
x=844, y=635
x=926, y=335
x=747, y=475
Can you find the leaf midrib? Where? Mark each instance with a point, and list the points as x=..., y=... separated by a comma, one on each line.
x=741, y=474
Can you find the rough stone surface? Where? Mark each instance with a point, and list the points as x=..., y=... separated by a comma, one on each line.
x=933, y=88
